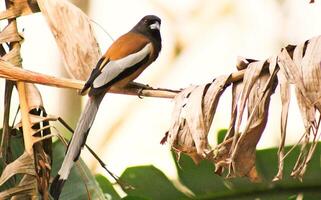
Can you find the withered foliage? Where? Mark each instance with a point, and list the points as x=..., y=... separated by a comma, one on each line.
x=70, y=27
x=235, y=157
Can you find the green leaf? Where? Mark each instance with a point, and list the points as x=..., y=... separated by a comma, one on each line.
x=221, y=135
x=107, y=187
x=200, y=179
x=150, y=183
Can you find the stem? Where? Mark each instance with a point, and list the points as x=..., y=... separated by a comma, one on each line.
x=26, y=124
x=18, y=74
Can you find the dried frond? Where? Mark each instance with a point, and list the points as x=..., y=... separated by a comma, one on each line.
x=297, y=65
x=22, y=165
x=79, y=56
x=192, y=117
x=27, y=188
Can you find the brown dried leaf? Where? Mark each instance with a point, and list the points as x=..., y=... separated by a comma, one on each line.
x=79, y=49
x=236, y=92
x=223, y=150
x=195, y=120
x=20, y=8
x=250, y=77
x=25, y=190
x=22, y=165
x=179, y=137
x=36, y=119
x=9, y=34
x=34, y=98
x=310, y=68
x=211, y=99
x=243, y=156
x=192, y=117
x=307, y=58
x=292, y=73
x=285, y=99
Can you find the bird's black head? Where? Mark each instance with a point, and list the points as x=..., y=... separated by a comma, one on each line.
x=148, y=24
x=150, y=27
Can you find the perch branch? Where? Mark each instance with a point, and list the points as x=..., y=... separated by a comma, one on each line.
x=18, y=74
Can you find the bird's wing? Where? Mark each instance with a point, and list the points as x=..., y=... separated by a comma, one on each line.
x=115, y=68
x=125, y=52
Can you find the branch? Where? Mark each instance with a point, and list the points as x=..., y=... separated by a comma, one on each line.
x=18, y=74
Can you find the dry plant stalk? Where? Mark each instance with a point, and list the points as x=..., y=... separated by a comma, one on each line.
x=18, y=74
x=35, y=162
x=297, y=65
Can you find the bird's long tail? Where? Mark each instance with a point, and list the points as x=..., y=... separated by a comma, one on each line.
x=78, y=140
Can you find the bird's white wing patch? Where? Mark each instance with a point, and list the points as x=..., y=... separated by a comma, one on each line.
x=115, y=67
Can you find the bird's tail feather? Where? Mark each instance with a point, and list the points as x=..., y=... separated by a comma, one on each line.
x=78, y=140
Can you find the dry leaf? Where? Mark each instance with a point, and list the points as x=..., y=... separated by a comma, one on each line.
x=251, y=75
x=22, y=165
x=34, y=98
x=309, y=64
x=211, y=99
x=195, y=120
x=192, y=117
x=25, y=190
x=244, y=154
x=20, y=8
x=179, y=137
x=36, y=119
x=9, y=34
x=79, y=49
x=285, y=99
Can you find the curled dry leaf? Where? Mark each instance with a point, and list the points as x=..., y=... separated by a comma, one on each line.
x=192, y=117
x=25, y=190
x=285, y=99
x=244, y=156
x=178, y=135
x=237, y=151
x=195, y=108
x=303, y=69
x=22, y=165
x=79, y=49
x=195, y=120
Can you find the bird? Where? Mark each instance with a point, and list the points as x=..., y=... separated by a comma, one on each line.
x=124, y=61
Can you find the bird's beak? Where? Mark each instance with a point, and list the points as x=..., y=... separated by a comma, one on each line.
x=154, y=26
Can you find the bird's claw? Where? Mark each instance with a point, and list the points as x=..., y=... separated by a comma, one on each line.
x=140, y=93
